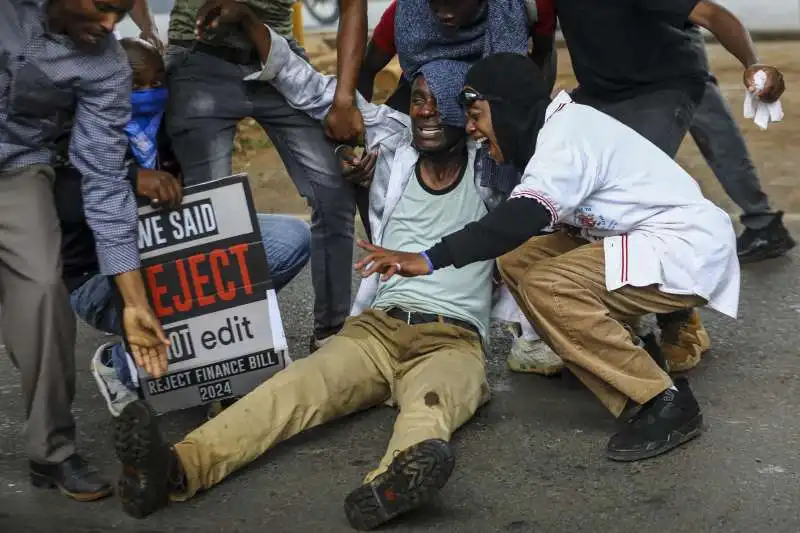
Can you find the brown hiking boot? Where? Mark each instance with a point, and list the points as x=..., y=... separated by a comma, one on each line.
x=683, y=339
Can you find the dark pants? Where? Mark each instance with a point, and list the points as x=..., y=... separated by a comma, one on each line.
x=208, y=99
x=719, y=139
x=663, y=117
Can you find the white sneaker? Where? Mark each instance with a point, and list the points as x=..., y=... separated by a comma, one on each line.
x=116, y=394
x=533, y=357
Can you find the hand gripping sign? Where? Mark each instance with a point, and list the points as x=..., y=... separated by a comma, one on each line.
x=206, y=273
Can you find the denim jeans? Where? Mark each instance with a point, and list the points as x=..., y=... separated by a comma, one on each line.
x=210, y=98
x=287, y=242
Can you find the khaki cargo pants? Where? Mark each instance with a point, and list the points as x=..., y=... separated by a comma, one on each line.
x=433, y=372
x=559, y=282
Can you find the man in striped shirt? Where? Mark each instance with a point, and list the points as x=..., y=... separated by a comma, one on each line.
x=59, y=61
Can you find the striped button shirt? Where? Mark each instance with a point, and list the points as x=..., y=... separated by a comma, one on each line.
x=46, y=82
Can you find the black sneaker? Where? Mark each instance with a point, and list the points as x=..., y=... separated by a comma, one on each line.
x=412, y=479
x=148, y=464
x=773, y=240
x=665, y=422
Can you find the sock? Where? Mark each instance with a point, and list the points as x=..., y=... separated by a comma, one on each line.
x=528, y=333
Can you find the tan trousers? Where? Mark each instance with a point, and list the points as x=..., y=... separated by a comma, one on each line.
x=433, y=372
x=559, y=283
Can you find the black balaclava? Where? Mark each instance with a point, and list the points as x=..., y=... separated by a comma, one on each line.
x=523, y=93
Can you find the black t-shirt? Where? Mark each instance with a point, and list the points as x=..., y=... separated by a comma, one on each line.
x=623, y=48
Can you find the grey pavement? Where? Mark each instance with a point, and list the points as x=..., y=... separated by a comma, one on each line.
x=531, y=460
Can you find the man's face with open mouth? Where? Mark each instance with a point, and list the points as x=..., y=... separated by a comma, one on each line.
x=429, y=134
x=479, y=122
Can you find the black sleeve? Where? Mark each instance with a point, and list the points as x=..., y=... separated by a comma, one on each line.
x=499, y=232
x=167, y=160
x=133, y=176
x=675, y=12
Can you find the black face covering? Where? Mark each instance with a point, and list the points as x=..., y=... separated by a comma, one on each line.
x=518, y=98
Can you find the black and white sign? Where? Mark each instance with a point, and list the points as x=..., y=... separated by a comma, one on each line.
x=206, y=273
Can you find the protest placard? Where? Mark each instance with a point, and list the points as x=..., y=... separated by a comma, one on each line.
x=206, y=273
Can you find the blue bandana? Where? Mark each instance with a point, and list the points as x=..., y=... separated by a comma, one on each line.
x=147, y=110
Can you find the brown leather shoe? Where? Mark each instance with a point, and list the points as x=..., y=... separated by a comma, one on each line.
x=683, y=339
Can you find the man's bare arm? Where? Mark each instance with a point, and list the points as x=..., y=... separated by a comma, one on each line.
x=140, y=15
x=728, y=29
x=732, y=34
x=344, y=122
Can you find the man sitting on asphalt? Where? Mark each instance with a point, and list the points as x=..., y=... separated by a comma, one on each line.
x=416, y=344
x=638, y=237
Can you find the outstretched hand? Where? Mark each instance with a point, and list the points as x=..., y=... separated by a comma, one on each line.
x=391, y=262
x=146, y=339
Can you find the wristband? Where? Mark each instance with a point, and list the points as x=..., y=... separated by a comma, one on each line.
x=428, y=261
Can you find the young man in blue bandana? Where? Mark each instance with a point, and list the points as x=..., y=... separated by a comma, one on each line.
x=153, y=174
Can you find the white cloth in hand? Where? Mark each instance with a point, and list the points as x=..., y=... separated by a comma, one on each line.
x=762, y=112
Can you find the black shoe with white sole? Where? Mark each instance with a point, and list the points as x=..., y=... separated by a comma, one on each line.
x=412, y=479
x=662, y=424
x=148, y=463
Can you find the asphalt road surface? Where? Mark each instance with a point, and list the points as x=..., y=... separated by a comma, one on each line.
x=531, y=460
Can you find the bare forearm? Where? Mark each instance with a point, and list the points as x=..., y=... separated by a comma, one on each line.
x=728, y=30
x=350, y=47
x=140, y=15
x=131, y=286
